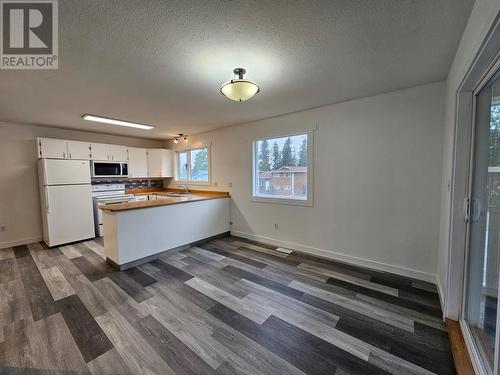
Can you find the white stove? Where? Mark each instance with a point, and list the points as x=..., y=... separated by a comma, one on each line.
x=104, y=194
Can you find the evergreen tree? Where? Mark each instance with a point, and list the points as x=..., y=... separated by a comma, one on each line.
x=276, y=157
x=287, y=154
x=494, y=149
x=303, y=153
x=264, y=163
x=200, y=163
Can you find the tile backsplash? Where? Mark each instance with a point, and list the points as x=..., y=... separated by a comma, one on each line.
x=140, y=184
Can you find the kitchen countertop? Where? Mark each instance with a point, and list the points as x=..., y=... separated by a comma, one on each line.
x=195, y=196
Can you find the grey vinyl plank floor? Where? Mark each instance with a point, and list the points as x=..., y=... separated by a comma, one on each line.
x=228, y=306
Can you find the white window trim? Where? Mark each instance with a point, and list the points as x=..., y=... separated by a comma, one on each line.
x=188, y=181
x=308, y=202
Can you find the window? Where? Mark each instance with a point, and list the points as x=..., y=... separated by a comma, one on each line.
x=282, y=171
x=192, y=166
x=183, y=166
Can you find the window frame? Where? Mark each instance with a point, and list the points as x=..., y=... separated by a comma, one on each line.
x=189, y=181
x=308, y=202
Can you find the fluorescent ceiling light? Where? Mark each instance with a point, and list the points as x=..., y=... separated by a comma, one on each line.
x=113, y=121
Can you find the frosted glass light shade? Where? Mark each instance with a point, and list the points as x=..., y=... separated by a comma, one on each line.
x=239, y=90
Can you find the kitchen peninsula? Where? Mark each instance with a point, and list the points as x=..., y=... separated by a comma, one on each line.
x=135, y=232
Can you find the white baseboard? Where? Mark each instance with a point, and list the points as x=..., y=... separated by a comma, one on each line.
x=441, y=295
x=22, y=241
x=379, y=266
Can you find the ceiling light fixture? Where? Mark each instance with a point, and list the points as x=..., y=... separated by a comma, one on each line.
x=239, y=89
x=180, y=135
x=113, y=121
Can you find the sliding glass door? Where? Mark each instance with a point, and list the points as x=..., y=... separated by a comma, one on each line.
x=483, y=216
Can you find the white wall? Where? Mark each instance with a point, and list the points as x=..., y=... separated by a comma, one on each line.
x=19, y=196
x=377, y=180
x=481, y=19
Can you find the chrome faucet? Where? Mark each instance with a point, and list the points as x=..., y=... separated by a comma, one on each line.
x=185, y=188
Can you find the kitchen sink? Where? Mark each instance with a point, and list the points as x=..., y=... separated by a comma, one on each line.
x=178, y=193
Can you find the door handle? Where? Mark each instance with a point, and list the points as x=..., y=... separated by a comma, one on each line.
x=45, y=176
x=467, y=210
x=47, y=199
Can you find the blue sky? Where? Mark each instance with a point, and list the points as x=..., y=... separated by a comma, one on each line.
x=296, y=142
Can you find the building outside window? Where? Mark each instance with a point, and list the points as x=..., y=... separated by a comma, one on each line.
x=282, y=163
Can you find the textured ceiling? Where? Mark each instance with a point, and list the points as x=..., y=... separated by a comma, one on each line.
x=162, y=62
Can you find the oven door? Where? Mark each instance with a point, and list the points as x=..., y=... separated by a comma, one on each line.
x=106, y=169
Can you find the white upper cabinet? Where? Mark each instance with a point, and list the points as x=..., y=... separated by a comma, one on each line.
x=78, y=150
x=142, y=162
x=160, y=163
x=52, y=148
x=137, y=162
x=100, y=151
x=118, y=153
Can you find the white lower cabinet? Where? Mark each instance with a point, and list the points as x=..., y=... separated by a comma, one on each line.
x=160, y=197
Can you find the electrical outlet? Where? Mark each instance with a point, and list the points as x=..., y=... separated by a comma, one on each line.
x=3, y=228
x=215, y=184
x=230, y=184
x=275, y=225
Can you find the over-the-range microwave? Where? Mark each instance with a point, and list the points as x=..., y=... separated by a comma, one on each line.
x=109, y=169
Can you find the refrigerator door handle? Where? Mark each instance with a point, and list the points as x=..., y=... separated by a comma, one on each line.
x=47, y=199
x=45, y=177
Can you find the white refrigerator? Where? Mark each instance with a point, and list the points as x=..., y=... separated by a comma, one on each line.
x=66, y=201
